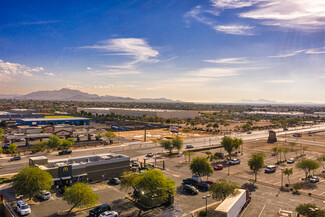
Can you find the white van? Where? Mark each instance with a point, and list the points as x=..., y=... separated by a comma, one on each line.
x=270, y=169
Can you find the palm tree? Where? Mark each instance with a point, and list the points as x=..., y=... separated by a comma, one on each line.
x=288, y=172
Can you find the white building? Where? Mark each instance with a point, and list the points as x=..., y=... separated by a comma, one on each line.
x=179, y=114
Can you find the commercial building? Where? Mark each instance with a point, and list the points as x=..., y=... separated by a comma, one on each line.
x=283, y=114
x=86, y=168
x=52, y=121
x=162, y=113
x=15, y=114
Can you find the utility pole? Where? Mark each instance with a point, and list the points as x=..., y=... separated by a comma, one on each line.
x=145, y=135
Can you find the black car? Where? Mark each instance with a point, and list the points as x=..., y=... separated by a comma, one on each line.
x=99, y=209
x=190, y=189
x=189, y=146
x=190, y=181
x=219, y=155
x=16, y=158
x=65, y=151
x=115, y=181
x=203, y=186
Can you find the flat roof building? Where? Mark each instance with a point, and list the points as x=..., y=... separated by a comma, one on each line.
x=52, y=121
x=162, y=113
x=86, y=168
x=15, y=114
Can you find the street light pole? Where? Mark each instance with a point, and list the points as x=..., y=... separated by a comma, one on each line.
x=281, y=178
x=206, y=203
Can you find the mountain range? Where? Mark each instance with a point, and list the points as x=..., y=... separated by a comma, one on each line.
x=66, y=94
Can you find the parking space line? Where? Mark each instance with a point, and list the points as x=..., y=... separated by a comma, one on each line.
x=262, y=210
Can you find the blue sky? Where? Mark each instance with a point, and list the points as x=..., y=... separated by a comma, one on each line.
x=202, y=51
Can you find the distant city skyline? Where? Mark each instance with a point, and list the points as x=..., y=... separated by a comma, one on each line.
x=194, y=51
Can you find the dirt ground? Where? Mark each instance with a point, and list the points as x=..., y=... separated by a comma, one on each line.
x=158, y=134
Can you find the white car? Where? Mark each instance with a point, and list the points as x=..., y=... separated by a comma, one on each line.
x=109, y=214
x=23, y=208
x=44, y=195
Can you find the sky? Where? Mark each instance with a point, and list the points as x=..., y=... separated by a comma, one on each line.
x=193, y=50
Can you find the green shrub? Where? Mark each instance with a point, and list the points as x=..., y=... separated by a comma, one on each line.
x=203, y=213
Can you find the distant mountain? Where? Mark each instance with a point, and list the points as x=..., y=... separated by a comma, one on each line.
x=259, y=101
x=66, y=94
x=8, y=96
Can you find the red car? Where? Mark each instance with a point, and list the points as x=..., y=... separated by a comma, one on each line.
x=218, y=167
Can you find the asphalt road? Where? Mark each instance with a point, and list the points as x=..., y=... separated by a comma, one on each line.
x=132, y=149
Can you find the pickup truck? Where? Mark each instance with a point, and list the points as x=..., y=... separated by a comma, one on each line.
x=65, y=152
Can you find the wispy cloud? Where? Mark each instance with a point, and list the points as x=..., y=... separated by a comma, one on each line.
x=49, y=74
x=201, y=15
x=214, y=72
x=9, y=70
x=239, y=60
x=231, y=4
x=117, y=72
x=298, y=14
x=234, y=29
x=29, y=23
x=280, y=81
x=137, y=48
x=311, y=51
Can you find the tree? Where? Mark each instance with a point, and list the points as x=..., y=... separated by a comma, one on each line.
x=110, y=135
x=3, y=124
x=200, y=166
x=208, y=153
x=80, y=195
x=222, y=188
x=54, y=141
x=288, y=172
x=188, y=154
x=297, y=187
x=307, y=165
x=228, y=145
x=285, y=150
x=321, y=160
x=40, y=146
x=129, y=180
x=98, y=136
x=310, y=210
x=237, y=143
x=12, y=148
x=31, y=180
x=168, y=145
x=256, y=162
x=154, y=184
x=1, y=132
x=275, y=150
x=177, y=143
x=292, y=144
x=1, y=150
x=66, y=143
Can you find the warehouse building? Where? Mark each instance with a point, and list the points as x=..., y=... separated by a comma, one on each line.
x=15, y=114
x=162, y=113
x=52, y=121
x=86, y=168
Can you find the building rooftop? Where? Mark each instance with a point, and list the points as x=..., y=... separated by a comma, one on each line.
x=74, y=161
x=52, y=119
x=38, y=158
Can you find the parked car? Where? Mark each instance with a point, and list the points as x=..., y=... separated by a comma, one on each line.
x=149, y=165
x=249, y=132
x=150, y=154
x=6, y=145
x=218, y=167
x=65, y=151
x=209, y=182
x=234, y=161
x=219, y=155
x=15, y=158
x=22, y=208
x=44, y=195
x=203, y=186
x=190, y=181
x=109, y=214
x=190, y=189
x=180, y=154
x=189, y=146
x=270, y=169
x=135, y=164
x=115, y=181
x=99, y=210
x=291, y=161
x=314, y=179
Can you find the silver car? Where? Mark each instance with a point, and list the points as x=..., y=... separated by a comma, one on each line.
x=44, y=195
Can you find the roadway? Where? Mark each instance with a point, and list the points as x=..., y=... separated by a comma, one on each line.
x=136, y=149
